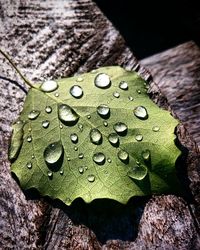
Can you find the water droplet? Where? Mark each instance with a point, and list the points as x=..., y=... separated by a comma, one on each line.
x=123, y=85
x=99, y=158
x=105, y=123
x=81, y=156
x=130, y=98
x=61, y=172
x=155, y=128
x=95, y=136
x=102, y=81
x=140, y=112
x=146, y=155
x=79, y=79
x=138, y=172
x=29, y=129
x=81, y=170
x=139, y=91
x=109, y=160
x=67, y=115
x=80, y=126
x=123, y=155
x=91, y=178
x=68, y=158
x=33, y=156
x=53, y=152
x=113, y=138
x=45, y=124
x=89, y=116
x=116, y=94
x=75, y=148
x=74, y=138
x=120, y=127
x=33, y=114
x=103, y=110
x=49, y=86
x=76, y=91
x=57, y=94
x=29, y=165
x=50, y=175
x=48, y=109
x=94, y=71
x=29, y=138
x=139, y=137
x=61, y=126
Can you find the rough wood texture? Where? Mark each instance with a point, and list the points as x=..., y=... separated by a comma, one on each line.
x=59, y=38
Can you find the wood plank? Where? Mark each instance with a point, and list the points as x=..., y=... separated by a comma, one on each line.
x=61, y=38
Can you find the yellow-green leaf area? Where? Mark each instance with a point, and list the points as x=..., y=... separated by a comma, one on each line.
x=96, y=135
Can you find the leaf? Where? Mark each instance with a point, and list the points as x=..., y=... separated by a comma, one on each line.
x=94, y=136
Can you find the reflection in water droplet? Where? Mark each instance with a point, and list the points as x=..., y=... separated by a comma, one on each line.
x=81, y=170
x=33, y=114
x=75, y=148
x=120, y=127
x=29, y=165
x=76, y=91
x=105, y=123
x=57, y=94
x=155, y=128
x=95, y=136
x=140, y=112
x=61, y=172
x=53, y=152
x=138, y=172
x=146, y=155
x=48, y=109
x=123, y=155
x=99, y=158
x=74, y=138
x=123, y=85
x=91, y=178
x=50, y=175
x=102, y=81
x=89, y=116
x=113, y=138
x=139, y=137
x=45, y=124
x=79, y=79
x=29, y=138
x=67, y=115
x=130, y=98
x=80, y=126
x=109, y=160
x=103, y=110
x=49, y=86
x=81, y=156
x=116, y=94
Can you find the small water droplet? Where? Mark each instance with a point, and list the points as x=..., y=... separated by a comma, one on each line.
x=45, y=124
x=123, y=155
x=80, y=126
x=155, y=128
x=146, y=155
x=33, y=114
x=139, y=91
x=91, y=178
x=86, y=168
x=139, y=137
x=130, y=98
x=57, y=94
x=138, y=172
x=29, y=138
x=105, y=123
x=81, y=170
x=61, y=126
x=94, y=71
x=120, y=127
x=103, y=110
x=61, y=172
x=76, y=91
x=89, y=116
x=81, y=156
x=95, y=136
x=29, y=165
x=102, y=81
x=99, y=158
x=116, y=94
x=140, y=112
x=48, y=109
x=53, y=152
x=74, y=138
x=29, y=129
x=67, y=115
x=75, y=148
x=33, y=156
x=113, y=138
x=49, y=86
x=123, y=85
x=68, y=158
x=79, y=79
x=109, y=160
x=50, y=175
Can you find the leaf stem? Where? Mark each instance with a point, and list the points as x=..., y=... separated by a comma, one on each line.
x=18, y=71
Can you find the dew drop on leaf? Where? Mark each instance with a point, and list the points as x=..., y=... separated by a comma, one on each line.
x=50, y=174
x=138, y=172
x=29, y=129
x=140, y=112
x=29, y=138
x=33, y=114
x=88, y=116
x=109, y=160
x=33, y=156
x=113, y=138
x=94, y=71
x=57, y=94
x=76, y=91
x=105, y=123
x=123, y=155
x=116, y=94
x=139, y=91
x=48, y=109
x=80, y=126
x=74, y=138
x=79, y=79
x=95, y=136
x=29, y=165
x=75, y=148
x=139, y=137
x=99, y=158
x=61, y=126
x=130, y=98
x=102, y=81
x=81, y=170
x=123, y=85
x=45, y=124
x=53, y=152
x=120, y=127
x=155, y=128
x=49, y=86
x=91, y=178
x=81, y=156
x=146, y=155
x=61, y=172
x=103, y=110
x=67, y=115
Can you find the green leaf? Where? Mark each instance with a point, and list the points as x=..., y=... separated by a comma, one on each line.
x=94, y=136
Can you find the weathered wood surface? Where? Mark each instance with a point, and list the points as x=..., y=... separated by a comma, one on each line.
x=60, y=38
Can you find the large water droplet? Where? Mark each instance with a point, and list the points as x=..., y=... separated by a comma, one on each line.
x=67, y=115
x=53, y=152
x=33, y=114
x=29, y=165
x=76, y=91
x=74, y=138
x=155, y=128
x=146, y=155
x=113, y=139
x=49, y=86
x=91, y=178
x=116, y=94
x=103, y=110
x=120, y=127
x=138, y=172
x=123, y=155
x=45, y=124
x=29, y=138
x=81, y=170
x=95, y=136
x=140, y=112
x=139, y=137
x=99, y=158
x=123, y=85
x=102, y=81
x=48, y=109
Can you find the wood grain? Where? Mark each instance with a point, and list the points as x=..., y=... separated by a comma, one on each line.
x=50, y=39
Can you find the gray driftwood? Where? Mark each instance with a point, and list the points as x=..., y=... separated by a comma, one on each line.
x=60, y=38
